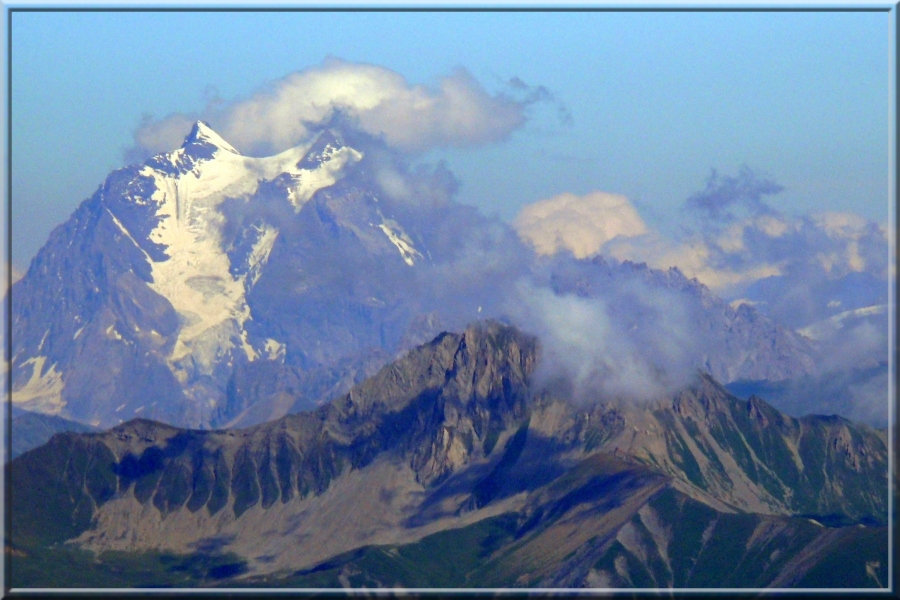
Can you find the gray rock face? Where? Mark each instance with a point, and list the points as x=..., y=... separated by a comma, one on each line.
x=83, y=323
x=447, y=437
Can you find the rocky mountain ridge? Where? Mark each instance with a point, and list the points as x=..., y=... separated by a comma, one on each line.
x=444, y=440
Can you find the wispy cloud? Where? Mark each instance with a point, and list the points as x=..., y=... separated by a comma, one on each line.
x=457, y=111
x=540, y=93
x=628, y=340
x=725, y=197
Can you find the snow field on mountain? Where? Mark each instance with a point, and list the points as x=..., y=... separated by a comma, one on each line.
x=196, y=278
x=308, y=181
x=400, y=239
x=43, y=392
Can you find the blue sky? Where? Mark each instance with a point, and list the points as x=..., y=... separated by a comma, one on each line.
x=656, y=99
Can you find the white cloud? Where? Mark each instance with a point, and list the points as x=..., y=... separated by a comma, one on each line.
x=695, y=258
x=580, y=224
x=378, y=101
x=160, y=136
x=743, y=251
x=634, y=342
x=772, y=226
x=840, y=224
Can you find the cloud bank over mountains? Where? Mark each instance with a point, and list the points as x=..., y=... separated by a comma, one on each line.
x=734, y=241
x=825, y=275
x=456, y=112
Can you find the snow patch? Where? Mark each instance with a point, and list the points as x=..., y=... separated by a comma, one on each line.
x=398, y=237
x=831, y=325
x=274, y=350
x=248, y=349
x=113, y=333
x=737, y=303
x=307, y=182
x=121, y=227
x=43, y=339
x=259, y=254
x=43, y=391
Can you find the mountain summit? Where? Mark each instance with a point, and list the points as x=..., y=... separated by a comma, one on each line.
x=203, y=135
x=328, y=143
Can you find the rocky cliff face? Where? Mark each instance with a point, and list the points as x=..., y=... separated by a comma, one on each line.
x=445, y=439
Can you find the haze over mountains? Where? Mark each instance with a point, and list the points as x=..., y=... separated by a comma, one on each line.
x=206, y=288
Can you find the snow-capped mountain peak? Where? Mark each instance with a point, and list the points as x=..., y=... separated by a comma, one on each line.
x=178, y=227
x=326, y=146
x=204, y=286
x=202, y=146
x=202, y=134
x=321, y=166
x=197, y=276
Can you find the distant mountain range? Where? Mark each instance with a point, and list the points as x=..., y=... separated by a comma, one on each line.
x=452, y=467
x=30, y=430
x=205, y=288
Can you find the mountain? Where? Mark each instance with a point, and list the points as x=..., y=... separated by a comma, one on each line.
x=205, y=288
x=146, y=301
x=851, y=377
x=730, y=343
x=837, y=297
x=30, y=430
x=452, y=467
x=857, y=393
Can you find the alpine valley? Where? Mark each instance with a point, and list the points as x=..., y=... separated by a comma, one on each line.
x=316, y=369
